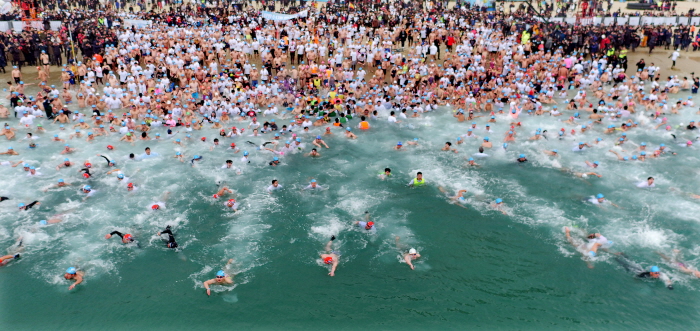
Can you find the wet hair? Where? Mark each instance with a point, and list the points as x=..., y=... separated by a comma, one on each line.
x=387, y=169
x=274, y=181
x=229, y=161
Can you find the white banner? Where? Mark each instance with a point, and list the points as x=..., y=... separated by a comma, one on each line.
x=609, y=21
x=634, y=21
x=55, y=25
x=695, y=21
x=570, y=20
x=268, y=15
x=137, y=23
x=4, y=26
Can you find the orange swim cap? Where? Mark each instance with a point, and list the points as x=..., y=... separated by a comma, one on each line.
x=128, y=237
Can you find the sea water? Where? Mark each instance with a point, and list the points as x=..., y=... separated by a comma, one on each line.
x=479, y=268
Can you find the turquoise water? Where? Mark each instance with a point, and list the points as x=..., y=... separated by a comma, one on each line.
x=479, y=268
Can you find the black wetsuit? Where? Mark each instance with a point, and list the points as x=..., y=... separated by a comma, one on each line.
x=4, y=198
x=108, y=161
x=171, y=238
x=29, y=206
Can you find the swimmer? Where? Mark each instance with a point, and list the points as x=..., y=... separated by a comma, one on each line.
x=221, y=278
x=171, y=237
x=588, y=250
x=398, y=146
x=521, y=158
x=498, y=205
x=160, y=204
x=649, y=183
x=196, y=158
x=313, y=185
x=330, y=257
x=67, y=149
x=61, y=183
x=600, y=200
x=653, y=273
x=9, y=151
x=126, y=238
x=66, y=163
x=349, y=134
x=8, y=163
x=4, y=260
x=458, y=198
x=409, y=256
x=481, y=153
x=448, y=147
x=274, y=187
x=486, y=143
x=222, y=192
x=110, y=163
x=675, y=261
x=418, y=181
x=553, y=152
x=385, y=174
x=318, y=142
x=366, y=224
x=472, y=163
x=75, y=275
x=276, y=161
x=231, y=203
x=28, y=206
x=313, y=153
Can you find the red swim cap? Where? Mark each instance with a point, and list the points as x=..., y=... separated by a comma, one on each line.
x=215, y=196
x=130, y=185
x=327, y=260
x=86, y=175
x=371, y=224
x=110, y=147
x=88, y=164
x=204, y=138
x=231, y=200
x=155, y=207
x=233, y=144
x=128, y=237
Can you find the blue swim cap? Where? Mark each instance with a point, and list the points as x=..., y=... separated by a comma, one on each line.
x=177, y=153
x=66, y=160
x=499, y=200
x=71, y=270
x=555, y=151
x=275, y=159
x=399, y=143
x=662, y=145
x=195, y=157
x=122, y=175
x=470, y=130
x=220, y=273
x=486, y=138
x=626, y=158
x=596, y=162
x=287, y=142
x=313, y=180
x=643, y=153
x=634, y=157
x=348, y=128
x=20, y=205
x=471, y=159
x=583, y=126
x=60, y=180
x=654, y=269
x=87, y=187
x=245, y=153
x=600, y=196
x=505, y=145
x=55, y=136
x=299, y=139
x=43, y=222
x=522, y=155
x=318, y=137
x=643, y=144
x=473, y=122
x=591, y=253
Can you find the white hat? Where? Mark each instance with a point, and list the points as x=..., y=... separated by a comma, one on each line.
x=412, y=251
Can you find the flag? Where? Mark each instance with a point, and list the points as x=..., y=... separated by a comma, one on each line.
x=351, y=6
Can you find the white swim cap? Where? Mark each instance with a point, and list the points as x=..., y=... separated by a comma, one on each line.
x=412, y=251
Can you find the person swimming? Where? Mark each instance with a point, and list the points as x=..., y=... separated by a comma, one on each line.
x=171, y=237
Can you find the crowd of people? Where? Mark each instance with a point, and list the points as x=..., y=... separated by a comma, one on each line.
x=225, y=76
